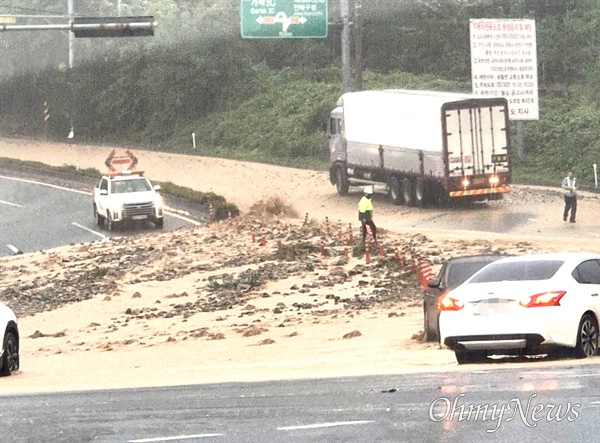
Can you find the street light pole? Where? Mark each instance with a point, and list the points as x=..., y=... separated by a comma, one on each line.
x=69, y=75
x=346, y=63
x=358, y=80
x=71, y=36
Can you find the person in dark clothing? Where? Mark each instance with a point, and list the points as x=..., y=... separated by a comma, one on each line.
x=569, y=184
x=365, y=214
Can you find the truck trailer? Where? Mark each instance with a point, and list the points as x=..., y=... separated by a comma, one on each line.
x=424, y=146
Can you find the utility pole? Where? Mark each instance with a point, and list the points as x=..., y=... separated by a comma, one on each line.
x=346, y=64
x=358, y=45
x=71, y=36
x=69, y=72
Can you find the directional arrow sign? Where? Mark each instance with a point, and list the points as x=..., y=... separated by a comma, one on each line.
x=284, y=18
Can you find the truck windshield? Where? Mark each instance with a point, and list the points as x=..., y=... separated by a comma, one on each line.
x=134, y=185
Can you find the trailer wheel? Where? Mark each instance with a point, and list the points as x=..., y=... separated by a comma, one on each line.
x=341, y=181
x=394, y=190
x=407, y=192
x=420, y=191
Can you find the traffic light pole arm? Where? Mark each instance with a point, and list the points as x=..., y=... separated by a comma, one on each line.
x=111, y=28
x=48, y=27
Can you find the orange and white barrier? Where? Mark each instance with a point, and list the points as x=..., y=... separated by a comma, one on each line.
x=424, y=272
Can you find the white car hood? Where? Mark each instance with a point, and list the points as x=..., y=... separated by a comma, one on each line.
x=134, y=197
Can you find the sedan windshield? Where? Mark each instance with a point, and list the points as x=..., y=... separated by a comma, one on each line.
x=518, y=271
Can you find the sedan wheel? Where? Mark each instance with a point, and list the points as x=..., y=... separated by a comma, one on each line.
x=587, y=337
x=430, y=334
x=10, y=360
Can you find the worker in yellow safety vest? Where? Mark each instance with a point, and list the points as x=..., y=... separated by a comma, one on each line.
x=365, y=213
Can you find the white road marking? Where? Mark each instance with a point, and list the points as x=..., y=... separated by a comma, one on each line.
x=10, y=204
x=176, y=211
x=325, y=425
x=535, y=220
x=99, y=234
x=178, y=437
x=181, y=217
x=564, y=374
x=46, y=184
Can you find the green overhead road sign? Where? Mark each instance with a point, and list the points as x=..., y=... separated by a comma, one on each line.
x=284, y=18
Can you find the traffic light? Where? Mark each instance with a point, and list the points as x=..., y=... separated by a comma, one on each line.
x=88, y=27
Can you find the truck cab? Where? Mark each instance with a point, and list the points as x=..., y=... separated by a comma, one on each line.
x=127, y=196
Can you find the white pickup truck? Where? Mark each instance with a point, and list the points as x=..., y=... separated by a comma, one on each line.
x=127, y=196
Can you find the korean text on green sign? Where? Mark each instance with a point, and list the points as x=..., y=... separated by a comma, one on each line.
x=284, y=18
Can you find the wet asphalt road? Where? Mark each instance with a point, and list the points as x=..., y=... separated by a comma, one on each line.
x=36, y=217
x=533, y=404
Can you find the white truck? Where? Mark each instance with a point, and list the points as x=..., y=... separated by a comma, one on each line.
x=424, y=146
x=127, y=196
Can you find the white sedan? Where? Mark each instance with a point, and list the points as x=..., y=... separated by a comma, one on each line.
x=525, y=305
x=9, y=350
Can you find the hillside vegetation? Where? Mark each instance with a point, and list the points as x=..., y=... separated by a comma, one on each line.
x=269, y=100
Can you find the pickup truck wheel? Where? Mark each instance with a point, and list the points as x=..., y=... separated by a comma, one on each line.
x=111, y=224
x=407, y=192
x=394, y=190
x=100, y=220
x=159, y=223
x=341, y=181
x=420, y=191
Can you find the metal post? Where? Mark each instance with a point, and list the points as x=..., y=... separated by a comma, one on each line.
x=520, y=140
x=71, y=36
x=358, y=80
x=69, y=74
x=346, y=66
x=118, y=7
